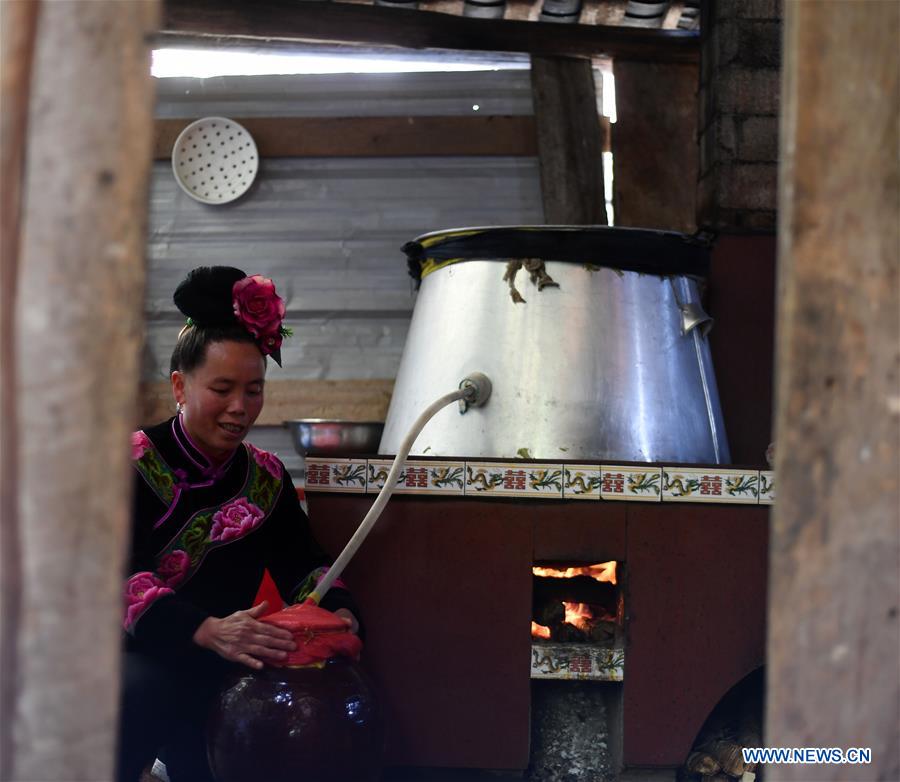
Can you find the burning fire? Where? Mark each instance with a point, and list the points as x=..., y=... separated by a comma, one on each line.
x=539, y=631
x=578, y=615
x=605, y=571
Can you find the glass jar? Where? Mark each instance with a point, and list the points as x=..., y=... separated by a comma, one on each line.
x=318, y=723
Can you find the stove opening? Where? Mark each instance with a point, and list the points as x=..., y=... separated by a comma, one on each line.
x=577, y=603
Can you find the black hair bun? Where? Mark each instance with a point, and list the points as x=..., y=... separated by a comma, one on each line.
x=205, y=295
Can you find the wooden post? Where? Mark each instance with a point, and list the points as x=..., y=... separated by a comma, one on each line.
x=569, y=141
x=654, y=143
x=18, y=25
x=833, y=678
x=78, y=323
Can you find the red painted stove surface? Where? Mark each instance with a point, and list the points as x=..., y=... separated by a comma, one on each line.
x=445, y=590
x=696, y=607
x=448, y=629
x=741, y=298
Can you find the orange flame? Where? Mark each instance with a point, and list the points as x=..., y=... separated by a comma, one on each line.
x=604, y=571
x=539, y=631
x=580, y=615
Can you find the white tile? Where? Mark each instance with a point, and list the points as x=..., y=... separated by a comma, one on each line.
x=419, y=477
x=689, y=484
x=766, y=487
x=627, y=482
x=581, y=481
x=335, y=475
x=513, y=479
x=577, y=661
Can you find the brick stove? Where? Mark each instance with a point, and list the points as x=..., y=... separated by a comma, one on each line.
x=446, y=586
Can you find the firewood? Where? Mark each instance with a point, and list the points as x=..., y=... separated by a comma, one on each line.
x=749, y=728
x=549, y=613
x=580, y=589
x=603, y=632
x=730, y=757
x=567, y=633
x=701, y=763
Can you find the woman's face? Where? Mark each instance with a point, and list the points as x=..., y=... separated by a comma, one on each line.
x=222, y=397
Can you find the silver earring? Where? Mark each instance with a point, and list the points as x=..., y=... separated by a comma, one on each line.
x=179, y=408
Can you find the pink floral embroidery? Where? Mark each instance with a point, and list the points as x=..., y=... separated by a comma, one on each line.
x=234, y=520
x=260, y=309
x=139, y=445
x=173, y=567
x=338, y=582
x=141, y=590
x=268, y=461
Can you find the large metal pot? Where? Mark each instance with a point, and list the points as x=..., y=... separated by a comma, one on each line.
x=613, y=364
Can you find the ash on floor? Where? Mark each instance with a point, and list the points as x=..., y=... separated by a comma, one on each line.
x=570, y=733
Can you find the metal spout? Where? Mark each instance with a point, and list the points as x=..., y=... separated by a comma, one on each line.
x=692, y=317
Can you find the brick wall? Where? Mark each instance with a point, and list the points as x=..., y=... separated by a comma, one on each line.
x=738, y=115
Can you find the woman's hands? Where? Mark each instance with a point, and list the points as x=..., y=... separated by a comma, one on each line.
x=242, y=638
x=347, y=616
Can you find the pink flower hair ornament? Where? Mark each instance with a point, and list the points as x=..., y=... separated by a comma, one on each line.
x=261, y=310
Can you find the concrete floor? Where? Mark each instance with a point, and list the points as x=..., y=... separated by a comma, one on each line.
x=412, y=775
x=481, y=775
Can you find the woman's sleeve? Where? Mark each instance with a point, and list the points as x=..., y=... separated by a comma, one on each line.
x=157, y=619
x=296, y=560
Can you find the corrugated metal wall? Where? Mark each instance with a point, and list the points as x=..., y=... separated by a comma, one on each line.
x=329, y=230
x=348, y=95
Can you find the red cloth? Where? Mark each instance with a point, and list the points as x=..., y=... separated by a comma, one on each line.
x=268, y=591
x=318, y=633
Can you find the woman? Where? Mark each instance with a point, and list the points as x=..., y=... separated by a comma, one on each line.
x=211, y=513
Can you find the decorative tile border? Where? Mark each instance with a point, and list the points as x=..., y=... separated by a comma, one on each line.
x=631, y=483
x=682, y=484
x=581, y=481
x=650, y=483
x=766, y=487
x=577, y=661
x=337, y=475
x=419, y=477
x=514, y=480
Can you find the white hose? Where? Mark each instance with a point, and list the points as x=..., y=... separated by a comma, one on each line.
x=334, y=572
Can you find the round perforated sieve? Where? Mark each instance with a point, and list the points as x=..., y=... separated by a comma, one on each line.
x=215, y=160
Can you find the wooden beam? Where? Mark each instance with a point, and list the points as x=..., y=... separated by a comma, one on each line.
x=570, y=141
x=374, y=136
x=834, y=584
x=78, y=324
x=279, y=21
x=348, y=400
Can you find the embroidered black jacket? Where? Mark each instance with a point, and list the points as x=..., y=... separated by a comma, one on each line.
x=203, y=536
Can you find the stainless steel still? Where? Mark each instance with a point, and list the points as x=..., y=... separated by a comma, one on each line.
x=610, y=365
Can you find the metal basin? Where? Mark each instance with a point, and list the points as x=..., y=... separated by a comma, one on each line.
x=321, y=437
